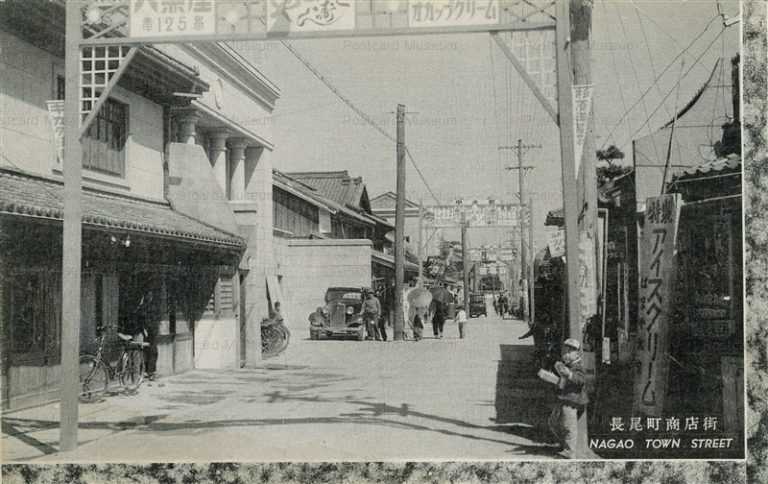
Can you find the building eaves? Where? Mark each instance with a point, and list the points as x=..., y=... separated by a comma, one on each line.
x=27, y=195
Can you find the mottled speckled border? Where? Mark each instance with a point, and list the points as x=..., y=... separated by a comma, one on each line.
x=755, y=73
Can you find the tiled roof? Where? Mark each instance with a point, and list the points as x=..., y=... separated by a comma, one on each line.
x=344, y=192
x=721, y=166
x=27, y=195
x=387, y=200
x=336, y=185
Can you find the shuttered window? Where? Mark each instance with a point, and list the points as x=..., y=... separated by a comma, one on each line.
x=104, y=143
x=222, y=302
x=34, y=313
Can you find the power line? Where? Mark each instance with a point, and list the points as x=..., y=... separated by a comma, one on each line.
x=357, y=110
x=634, y=73
x=678, y=82
x=616, y=72
x=658, y=78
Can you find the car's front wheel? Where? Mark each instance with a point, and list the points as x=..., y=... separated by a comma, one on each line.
x=361, y=334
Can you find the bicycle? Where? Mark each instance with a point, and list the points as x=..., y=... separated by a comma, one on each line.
x=274, y=337
x=96, y=372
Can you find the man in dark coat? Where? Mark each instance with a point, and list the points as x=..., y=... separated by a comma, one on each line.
x=438, y=318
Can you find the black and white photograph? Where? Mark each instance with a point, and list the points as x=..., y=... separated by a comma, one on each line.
x=260, y=231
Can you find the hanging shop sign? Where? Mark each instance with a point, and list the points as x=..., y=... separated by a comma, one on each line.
x=169, y=18
x=582, y=110
x=662, y=217
x=450, y=13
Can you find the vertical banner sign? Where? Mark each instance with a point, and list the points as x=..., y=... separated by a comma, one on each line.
x=447, y=13
x=171, y=17
x=56, y=117
x=582, y=110
x=310, y=15
x=662, y=215
x=587, y=278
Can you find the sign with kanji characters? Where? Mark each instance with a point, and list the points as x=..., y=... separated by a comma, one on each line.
x=171, y=18
x=310, y=15
x=582, y=110
x=556, y=244
x=478, y=213
x=444, y=13
x=56, y=118
x=662, y=215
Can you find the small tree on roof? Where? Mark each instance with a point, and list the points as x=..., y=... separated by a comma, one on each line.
x=609, y=154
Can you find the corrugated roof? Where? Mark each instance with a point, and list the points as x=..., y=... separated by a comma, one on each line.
x=27, y=195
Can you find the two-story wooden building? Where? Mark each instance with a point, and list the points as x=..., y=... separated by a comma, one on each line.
x=177, y=203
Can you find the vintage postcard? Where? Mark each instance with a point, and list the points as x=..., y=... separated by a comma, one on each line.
x=371, y=230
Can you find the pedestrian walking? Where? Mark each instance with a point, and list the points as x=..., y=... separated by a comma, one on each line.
x=461, y=320
x=571, y=398
x=418, y=327
x=371, y=312
x=384, y=316
x=438, y=318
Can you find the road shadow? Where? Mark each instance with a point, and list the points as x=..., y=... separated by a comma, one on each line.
x=523, y=402
x=22, y=428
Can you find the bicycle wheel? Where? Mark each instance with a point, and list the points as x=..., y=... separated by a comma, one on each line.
x=132, y=369
x=94, y=378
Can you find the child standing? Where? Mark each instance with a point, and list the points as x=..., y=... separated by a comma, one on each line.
x=461, y=319
x=571, y=397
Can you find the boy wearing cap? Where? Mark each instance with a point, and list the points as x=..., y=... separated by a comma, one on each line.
x=571, y=396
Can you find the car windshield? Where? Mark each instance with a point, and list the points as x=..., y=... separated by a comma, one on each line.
x=342, y=294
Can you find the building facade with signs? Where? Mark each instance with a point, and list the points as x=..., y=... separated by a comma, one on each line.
x=176, y=191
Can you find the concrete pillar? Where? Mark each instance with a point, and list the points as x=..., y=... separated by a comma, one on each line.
x=260, y=253
x=237, y=147
x=187, y=122
x=217, y=154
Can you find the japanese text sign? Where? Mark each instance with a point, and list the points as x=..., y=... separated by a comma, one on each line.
x=446, y=13
x=172, y=17
x=310, y=15
x=478, y=213
x=582, y=109
x=662, y=215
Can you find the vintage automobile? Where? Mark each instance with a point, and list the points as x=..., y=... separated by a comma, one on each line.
x=340, y=317
x=477, y=305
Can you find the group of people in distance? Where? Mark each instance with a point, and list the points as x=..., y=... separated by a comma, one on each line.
x=376, y=316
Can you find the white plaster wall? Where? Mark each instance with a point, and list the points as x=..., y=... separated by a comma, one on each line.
x=216, y=343
x=225, y=96
x=309, y=267
x=27, y=81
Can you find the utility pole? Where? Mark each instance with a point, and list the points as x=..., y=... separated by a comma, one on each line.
x=399, y=323
x=72, y=234
x=421, y=242
x=520, y=149
x=573, y=26
x=532, y=275
x=465, y=259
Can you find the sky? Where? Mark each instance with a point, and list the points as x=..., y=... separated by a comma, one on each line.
x=464, y=100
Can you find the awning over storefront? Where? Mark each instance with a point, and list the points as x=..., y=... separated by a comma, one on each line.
x=41, y=198
x=389, y=261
